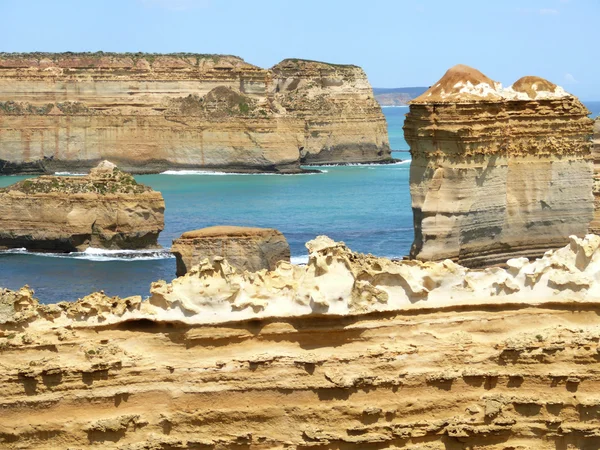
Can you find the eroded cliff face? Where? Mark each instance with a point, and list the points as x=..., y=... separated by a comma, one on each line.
x=148, y=113
x=497, y=173
x=595, y=224
x=105, y=209
x=510, y=366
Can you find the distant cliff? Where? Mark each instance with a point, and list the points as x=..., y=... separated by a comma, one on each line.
x=148, y=113
x=397, y=96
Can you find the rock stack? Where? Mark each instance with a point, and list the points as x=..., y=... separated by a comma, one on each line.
x=497, y=173
x=106, y=209
x=244, y=248
x=595, y=225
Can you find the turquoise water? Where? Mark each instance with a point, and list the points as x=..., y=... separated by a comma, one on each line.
x=368, y=207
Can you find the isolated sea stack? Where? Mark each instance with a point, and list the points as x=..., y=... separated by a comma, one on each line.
x=244, y=248
x=497, y=173
x=595, y=225
x=149, y=113
x=106, y=209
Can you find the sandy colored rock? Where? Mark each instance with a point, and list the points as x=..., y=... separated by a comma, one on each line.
x=150, y=113
x=497, y=172
x=595, y=224
x=485, y=368
x=106, y=209
x=245, y=248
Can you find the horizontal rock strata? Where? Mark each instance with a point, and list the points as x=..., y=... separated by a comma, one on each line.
x=245, y=248
x=595, y=224
x=149, y=113
x=505, y=370
x=105, y=209
x=497, y=173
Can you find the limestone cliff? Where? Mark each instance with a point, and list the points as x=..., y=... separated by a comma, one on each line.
x=148, y=113
x=378, y=354
x=105, y=209
x=595, y=224
x=496, y=172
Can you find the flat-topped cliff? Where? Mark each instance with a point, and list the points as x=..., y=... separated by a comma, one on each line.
x=348, y=352
x=148, y=113
x=106, y=209
x=497, y=172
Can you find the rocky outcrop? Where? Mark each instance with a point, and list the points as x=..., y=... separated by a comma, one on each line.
x=149, y=113
x=407, y=354
x=105, y=209
x=595, y=224
x=497, y=173
x=244, y=248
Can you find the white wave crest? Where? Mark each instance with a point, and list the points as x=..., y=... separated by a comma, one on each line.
x=100, y=254
x=206, y=172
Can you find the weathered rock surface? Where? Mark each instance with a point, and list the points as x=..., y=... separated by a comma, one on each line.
x=244, y=248
x=149, y=113
x=407, y=355
x=105, y=209
x=497, y=173
x=595, y=224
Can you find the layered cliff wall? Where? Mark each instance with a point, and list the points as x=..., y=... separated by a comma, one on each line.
x=348, y=352
x=496, y=172
x=595, y=224
x=148, y=113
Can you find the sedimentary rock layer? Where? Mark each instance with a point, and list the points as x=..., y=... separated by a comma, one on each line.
x=496, y=172
x=501, y=371
x=595, y=224
x=148, y=113
x=245, y=248
x=105, y=209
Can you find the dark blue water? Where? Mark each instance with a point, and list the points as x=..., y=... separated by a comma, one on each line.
x=368, y=207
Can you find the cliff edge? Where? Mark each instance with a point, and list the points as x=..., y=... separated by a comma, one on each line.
x=150, y=113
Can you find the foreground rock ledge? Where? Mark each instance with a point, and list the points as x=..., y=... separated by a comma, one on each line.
x=245, y=248
x=492, y=359
x=105, y=209
x=497, y=172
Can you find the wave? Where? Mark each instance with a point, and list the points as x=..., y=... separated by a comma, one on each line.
x=399, y=163
x=299, y=259
x=206, y=172
x=100, y=254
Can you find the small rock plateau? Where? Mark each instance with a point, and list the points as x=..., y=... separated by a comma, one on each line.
x=150, y=113
x=245, y=248
x=497, y=172
x=106, y=209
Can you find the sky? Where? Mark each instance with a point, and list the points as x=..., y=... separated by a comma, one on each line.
x=398, y=43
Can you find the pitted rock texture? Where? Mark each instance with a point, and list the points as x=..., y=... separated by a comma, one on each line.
x=149, y=113
x=497, y=172
x=502, y=371
x=105, y=209
x=245, y=248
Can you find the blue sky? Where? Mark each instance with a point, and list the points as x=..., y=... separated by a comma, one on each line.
x=397, y=42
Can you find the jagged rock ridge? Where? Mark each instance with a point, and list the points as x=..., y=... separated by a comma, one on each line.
x=497, y=172
x=492, y=368
x=148, y=113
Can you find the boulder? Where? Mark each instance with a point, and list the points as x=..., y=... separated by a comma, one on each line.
x=245, y=248
x=106, y=209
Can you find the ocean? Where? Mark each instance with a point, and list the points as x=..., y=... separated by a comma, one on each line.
x=366, y=206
